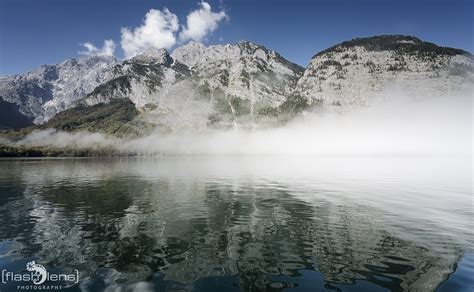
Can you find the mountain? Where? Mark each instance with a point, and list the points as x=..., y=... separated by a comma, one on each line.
x=363, y=70
x=139, y=79
x=242, y=85
x=11, y=117
x=39, y=94
x=198, y=86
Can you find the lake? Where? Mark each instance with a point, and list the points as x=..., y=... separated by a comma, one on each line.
x=241, y=223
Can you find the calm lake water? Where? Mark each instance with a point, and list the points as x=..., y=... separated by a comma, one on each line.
x=241, y=223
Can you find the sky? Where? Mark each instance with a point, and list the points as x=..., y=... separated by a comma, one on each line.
x=36, y=32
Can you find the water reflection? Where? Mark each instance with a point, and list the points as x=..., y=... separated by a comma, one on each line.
x=226, y=224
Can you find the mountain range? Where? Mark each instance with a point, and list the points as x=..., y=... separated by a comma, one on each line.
x=223, y=86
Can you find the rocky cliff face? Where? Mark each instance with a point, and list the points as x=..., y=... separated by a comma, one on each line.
x=247, y=71
x=222, y=86
x=243, y=85
x=362, y=71
x=41, y=93
x=141, y=79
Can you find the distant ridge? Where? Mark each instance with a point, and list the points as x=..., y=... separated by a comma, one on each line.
x=244, y=85
x=405, y=43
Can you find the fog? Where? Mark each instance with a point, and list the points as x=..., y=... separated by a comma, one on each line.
x=51, y=137
x=398, y=126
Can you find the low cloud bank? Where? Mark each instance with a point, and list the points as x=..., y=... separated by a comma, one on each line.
x=53, y=138
x=439, y=125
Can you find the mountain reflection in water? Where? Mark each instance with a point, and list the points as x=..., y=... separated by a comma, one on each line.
x=240, y=223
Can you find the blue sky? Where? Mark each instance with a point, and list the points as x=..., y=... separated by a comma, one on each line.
x=35, y=32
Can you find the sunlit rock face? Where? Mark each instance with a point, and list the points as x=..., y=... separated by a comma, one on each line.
x=244, y=82
x=244, y=85
x=143, y=79
x=366, y=70
x=41, y=93
x=218, y=86
x=223, y=86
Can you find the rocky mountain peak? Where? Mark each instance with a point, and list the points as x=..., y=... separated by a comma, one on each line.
x=153, y=56
x=360, y=71
x=86, y=62
x=243, y=83
x=41, y=93
x=249, y=46
x=189, y=54
x=68, y=62
x=196, y=54
x=397, y=43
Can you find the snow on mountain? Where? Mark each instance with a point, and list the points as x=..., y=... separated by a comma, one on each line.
x=363, y=71
x=41, y=93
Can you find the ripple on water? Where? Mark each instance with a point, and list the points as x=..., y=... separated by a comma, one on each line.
x=144, y=225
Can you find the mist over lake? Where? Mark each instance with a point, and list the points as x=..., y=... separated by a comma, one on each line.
x=354, y=201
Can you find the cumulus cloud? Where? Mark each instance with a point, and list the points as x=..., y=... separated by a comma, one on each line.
x=107, y=49
x=157, y=31
x=201, y=22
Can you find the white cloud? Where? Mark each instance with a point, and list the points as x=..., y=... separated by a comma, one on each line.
x=157, y=31
x=201, y=22
x=107, y=49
